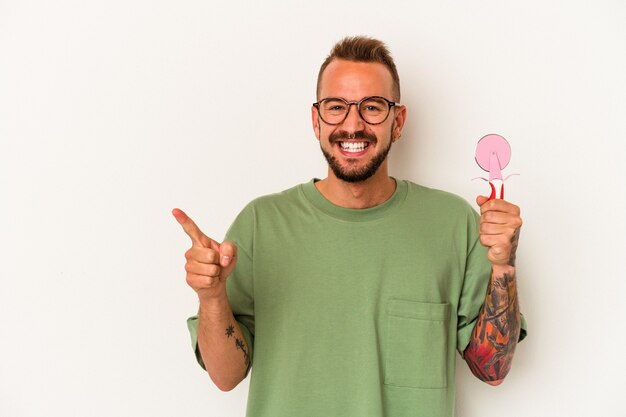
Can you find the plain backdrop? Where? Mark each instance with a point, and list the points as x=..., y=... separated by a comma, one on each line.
x=114, y=112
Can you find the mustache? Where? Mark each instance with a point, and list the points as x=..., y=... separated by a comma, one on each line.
x=361, y=134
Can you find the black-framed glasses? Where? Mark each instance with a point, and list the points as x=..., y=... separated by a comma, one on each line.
x=373, y=110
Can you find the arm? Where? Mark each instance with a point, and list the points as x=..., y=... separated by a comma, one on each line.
x=490, y=352
x=494, y=338
x=222, y=345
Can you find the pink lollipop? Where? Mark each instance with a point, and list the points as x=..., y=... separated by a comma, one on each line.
x=493, y=154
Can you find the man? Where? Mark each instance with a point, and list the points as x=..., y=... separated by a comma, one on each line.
x=350, y=294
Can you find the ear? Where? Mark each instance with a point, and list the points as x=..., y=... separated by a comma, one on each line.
x=316, y=122
x=398, y=121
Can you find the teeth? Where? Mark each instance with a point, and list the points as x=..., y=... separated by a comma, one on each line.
x=353, y=146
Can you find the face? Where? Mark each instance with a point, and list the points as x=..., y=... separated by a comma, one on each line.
x=355, y=150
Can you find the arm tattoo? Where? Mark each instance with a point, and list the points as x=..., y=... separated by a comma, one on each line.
x=490, y=352
x=514, y=240
x=239, y=344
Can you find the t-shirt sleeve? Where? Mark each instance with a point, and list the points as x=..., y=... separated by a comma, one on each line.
x=239, y=285
x=475, y=283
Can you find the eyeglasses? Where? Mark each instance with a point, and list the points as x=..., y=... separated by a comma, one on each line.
x=373, y=110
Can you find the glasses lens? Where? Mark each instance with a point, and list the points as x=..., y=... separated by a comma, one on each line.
x=374, y=110
x=333, y=110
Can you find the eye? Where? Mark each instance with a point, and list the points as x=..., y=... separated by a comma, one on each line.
x=334, y=106
x=374, y=106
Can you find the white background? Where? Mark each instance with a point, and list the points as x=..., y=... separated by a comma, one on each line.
x=114, y=112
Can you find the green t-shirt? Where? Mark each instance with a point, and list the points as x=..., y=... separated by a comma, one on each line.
x=355, y=313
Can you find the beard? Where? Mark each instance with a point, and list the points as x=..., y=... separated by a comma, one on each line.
x=354, y=174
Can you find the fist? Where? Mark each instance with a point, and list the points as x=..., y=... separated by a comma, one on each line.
x=500, y=224
x=208, y=262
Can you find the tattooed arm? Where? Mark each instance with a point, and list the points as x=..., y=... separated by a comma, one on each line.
x=495, y=336
x=223, y=349
x=222, y=345
x=491, y=348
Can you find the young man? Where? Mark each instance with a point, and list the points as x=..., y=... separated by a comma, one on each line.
x=353, y=292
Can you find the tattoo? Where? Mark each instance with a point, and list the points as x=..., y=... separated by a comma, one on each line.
x=239, y=344
x=490, y=352
x=514, y=240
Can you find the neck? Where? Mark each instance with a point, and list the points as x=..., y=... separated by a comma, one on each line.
x=358, y=195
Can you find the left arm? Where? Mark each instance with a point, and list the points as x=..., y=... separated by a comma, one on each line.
x=495, y=336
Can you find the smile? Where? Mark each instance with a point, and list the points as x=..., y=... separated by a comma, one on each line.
x=353, y=147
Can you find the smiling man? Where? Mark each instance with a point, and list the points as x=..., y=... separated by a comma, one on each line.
x=351, y=294
x=356, y=143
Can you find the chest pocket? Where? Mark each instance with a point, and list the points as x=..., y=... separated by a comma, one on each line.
x=416, y=345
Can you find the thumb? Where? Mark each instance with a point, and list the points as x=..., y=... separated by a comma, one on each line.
x=228, y=257
x=481, y=199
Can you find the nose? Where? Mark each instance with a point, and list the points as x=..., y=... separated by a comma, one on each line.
x=353, y=121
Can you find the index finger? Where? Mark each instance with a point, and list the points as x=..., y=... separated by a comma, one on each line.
x=499, y=205
x=193, y=231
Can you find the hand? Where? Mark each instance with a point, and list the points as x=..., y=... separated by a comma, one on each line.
x=208, y=263
x=500, y=224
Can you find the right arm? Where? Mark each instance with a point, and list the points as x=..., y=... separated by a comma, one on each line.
x=221, y=343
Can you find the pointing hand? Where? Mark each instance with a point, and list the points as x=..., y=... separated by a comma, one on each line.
x=208, y=262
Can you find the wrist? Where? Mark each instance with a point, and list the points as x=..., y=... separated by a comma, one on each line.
x=215, y=306
x=499, y=270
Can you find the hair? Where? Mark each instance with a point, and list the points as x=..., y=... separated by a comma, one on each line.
x=362, y=49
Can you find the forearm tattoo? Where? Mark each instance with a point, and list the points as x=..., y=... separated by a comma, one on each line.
x=239, y=344
x=514, y=240
x=490, y=352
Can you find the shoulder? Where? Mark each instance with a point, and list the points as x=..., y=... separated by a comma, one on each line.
x=438, y=201
x=443, y=213
x=276, y=200
x=273, y=203
x=254, y=216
